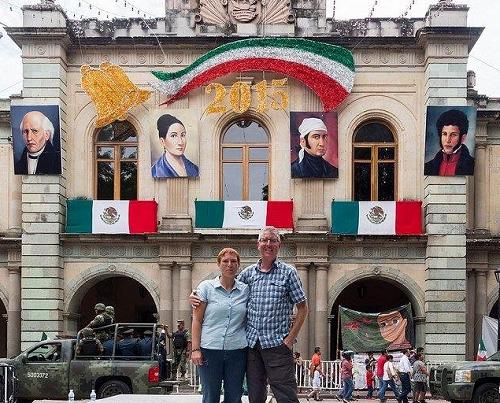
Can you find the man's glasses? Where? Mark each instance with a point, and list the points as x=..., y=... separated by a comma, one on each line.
x=270, y=240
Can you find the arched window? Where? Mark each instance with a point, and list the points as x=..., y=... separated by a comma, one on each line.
x=116, y=162
x=374, y=162
x=245, y=161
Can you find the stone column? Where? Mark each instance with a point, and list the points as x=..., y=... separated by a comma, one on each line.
x=303, y=337
x=165, y=286
x=312, y=216
x=321, y=308
x=185, y=287
x=481, y=181
x=481, y=304
x=471, y=313
x=44, y=41
x=14, y=312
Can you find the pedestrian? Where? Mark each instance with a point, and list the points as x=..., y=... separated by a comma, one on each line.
x=405, y=371
x=181, y=342
x=381, y=360
x=219, y=344
x=420, y=375
x=315, y=362
x=346, y=375
x=275, y=289
x=413, y=358
x=162, y=352
x=388, y=379
x=299, y=366
x=369, y=381
x=317, y=375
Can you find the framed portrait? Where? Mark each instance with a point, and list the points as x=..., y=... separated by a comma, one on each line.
x=450, y=140
x=36, y=136
x=314, y=145
x=174, y=143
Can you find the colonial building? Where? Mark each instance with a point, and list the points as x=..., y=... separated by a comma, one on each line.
x=50, y=279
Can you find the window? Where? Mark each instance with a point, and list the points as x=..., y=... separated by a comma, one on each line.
x=45, y=352
x=116, y=162
x=374, y=162
x=245, y=161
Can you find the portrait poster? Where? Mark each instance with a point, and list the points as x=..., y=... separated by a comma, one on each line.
x=389, y=330
x=175, y=142
x=36, y=138
x=450, y=140
x=314, y=155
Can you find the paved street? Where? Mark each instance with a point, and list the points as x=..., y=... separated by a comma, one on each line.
x=193, y=399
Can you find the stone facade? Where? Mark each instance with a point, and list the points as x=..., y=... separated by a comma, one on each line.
x=402, y=66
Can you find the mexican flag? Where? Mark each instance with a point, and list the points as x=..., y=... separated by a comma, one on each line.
x=377, y=217
x=243, y=214
x=481, y=352
x=111, y=216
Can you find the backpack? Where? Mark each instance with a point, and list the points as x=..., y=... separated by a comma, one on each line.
x=179, y=340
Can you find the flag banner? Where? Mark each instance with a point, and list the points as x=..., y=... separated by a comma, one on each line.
x=377, y=217
x=364, y=332
x=489, y=332
x=243, y=214
x=481, y=352
x=111, y=216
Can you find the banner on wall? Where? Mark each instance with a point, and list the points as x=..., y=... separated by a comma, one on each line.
x=389, y=330
x=174, y=144
x=314, y=145
x=450, y=140
x=36, y=138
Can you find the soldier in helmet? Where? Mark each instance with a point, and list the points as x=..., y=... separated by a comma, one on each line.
x=181, y=340
x=88, y=345
x=99, y=321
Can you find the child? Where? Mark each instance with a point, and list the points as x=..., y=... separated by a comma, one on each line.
x=316, y=384
x=369, y=381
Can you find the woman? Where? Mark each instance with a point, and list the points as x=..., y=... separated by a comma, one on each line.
x=346, y=375
x=219, y=344
x=420, y=374
x=172, y=163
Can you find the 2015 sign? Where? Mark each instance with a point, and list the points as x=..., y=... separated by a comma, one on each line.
x=240, y=96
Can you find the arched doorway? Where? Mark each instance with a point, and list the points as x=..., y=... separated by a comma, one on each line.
x=3, y=330
x=366, y=295
x=131, y=300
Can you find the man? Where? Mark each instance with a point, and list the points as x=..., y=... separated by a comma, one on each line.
x=381, y=360
x=88, y=345
x=127, y=347
x=454, y=157
x=39, y=155
x=99, y=321
x=388, y=379
x=405, y=371
x=313, y=147
x=181, y=342
x=145, y=345
x=275, y=289
x=162, y=352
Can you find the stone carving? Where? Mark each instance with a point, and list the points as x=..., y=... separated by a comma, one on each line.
x=226, y=12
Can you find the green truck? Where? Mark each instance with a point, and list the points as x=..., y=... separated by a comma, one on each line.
x=49, y=369
x=467, y=381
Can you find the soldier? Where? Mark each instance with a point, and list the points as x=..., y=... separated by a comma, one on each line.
x=88, y=345
x=99, y=321
x=110, y=312
x=162, y=351
x=145, y=345
x=181, y=340
x=127, y=347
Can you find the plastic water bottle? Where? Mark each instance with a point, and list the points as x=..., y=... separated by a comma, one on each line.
x=92, y=396
x=71, y=396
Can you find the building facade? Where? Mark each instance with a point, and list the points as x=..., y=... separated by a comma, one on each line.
x=50, y=279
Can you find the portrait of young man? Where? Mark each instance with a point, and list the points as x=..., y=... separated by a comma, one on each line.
x=174, y=146
x=36, y=139
x=314, y=144
x=449, y=141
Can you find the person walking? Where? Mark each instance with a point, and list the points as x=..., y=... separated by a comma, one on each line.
x=388, y=379
x=317, y=375
x=219, y=344
x=346, y=375
x=420, y=375
x=405, y=371
x=369, y=381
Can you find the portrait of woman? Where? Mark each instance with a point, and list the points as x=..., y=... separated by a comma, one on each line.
x=173, y=138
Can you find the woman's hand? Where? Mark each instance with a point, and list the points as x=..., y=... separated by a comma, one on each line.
x=197, y=357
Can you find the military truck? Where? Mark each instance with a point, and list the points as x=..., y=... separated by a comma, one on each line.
x=50, y=368
x=464, y=381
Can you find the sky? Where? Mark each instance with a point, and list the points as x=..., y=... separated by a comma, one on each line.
x=484, y=58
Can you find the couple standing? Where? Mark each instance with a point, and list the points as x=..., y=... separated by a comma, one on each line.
x=243, y=324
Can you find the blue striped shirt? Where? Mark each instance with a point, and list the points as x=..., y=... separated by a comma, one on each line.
x=273, y=295
x=223, y=325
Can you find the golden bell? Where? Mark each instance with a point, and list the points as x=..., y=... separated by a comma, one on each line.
x=111, y=91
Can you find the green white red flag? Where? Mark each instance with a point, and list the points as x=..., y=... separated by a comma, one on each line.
x=481, y=352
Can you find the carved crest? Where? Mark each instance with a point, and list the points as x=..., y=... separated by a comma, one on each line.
x=376, y=215
x=110, y=215
x=246, y=212
x=223, y=12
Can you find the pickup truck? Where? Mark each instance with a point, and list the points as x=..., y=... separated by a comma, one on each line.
x=464, y=381
x=49, y=369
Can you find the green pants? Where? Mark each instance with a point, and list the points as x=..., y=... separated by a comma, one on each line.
x=179, y=362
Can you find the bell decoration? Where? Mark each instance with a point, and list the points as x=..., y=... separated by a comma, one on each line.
x=111, y=91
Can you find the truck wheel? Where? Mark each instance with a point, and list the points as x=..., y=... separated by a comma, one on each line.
x=112, y=388
x=486, y=393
